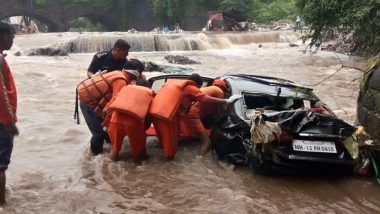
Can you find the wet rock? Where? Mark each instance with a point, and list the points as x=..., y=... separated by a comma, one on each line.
x=194, y=45
x=329, y=47
x=132, y=30
x=18, y=53
x=293, y=45
x=72, y=47
x=151, y=66
x=49, y=51
x=368, y=108
x=368, y=99
x=177, y=59
x=336, y=42
x=374, y=80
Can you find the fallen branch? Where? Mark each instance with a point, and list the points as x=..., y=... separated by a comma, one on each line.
x=341, y=67
x=361, y=76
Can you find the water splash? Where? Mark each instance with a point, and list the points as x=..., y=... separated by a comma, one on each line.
x=147, y=42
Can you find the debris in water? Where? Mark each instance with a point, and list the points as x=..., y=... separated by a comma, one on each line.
x=151, y=66
x=180, y=60
x=49, y=51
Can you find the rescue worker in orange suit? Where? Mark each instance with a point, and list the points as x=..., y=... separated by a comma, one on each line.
x=191, y=125
x=96, y=92
x=127, y=116
x=172, y=103
x=8, y=106
x=111, y=60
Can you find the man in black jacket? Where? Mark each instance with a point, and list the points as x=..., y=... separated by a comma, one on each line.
x=107, y=61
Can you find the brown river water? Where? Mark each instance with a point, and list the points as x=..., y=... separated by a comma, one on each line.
x=52, y=170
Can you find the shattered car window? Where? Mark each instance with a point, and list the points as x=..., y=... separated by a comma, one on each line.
x=268, y=104
x=157, y=85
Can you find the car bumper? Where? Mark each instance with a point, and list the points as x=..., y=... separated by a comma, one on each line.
x=297, y=158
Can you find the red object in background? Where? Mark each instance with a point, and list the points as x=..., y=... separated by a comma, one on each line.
x=285, y=138
x=220, y=21
x=316, y=110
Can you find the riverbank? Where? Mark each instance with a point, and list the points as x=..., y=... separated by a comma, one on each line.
x=52, y=170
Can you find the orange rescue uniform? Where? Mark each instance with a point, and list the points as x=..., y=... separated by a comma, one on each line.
x=168, y=129
x=94, y=94
x=128, y=116
x=191, y=123
x=8, y=94
x=101, y=89
x=121, y=125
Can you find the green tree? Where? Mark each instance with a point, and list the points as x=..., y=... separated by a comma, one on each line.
x=117, y=5
x=265, y=11
x=170, y=11
x=41, y=3
x=359, y=18
x=175, y=11
x=236, y=7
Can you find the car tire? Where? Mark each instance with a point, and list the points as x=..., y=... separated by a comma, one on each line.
x=261, y=162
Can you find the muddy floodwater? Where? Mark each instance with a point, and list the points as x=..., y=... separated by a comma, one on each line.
x=52, y=170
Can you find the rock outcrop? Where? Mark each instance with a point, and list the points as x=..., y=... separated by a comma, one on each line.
x=368, y=108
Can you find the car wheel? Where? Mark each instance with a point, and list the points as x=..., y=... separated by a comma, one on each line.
x=261, y=161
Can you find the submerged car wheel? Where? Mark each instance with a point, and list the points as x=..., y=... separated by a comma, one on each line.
x=261, y=160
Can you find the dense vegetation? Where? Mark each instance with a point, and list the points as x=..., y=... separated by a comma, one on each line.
x=174, y=11
x=357, y=20
x=261, y=11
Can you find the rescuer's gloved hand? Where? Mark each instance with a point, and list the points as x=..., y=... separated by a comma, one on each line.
x=234, y=98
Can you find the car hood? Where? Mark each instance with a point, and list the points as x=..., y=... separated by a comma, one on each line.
x=307, y=123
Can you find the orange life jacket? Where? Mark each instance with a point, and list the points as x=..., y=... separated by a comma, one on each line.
x=96, y=91
x=168, y=99
x=133, y=100
x=207, y=108
x=213, y=91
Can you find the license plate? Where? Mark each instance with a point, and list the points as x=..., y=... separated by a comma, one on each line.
x=314, y=146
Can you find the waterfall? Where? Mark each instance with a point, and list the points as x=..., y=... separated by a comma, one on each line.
x=149, y=42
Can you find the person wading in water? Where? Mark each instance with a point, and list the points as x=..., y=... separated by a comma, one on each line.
x=8, y=106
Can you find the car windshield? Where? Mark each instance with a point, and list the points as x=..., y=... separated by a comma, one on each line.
x=158, y=82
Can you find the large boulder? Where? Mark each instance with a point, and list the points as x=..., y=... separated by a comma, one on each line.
x=47, y=51
x=368, y=108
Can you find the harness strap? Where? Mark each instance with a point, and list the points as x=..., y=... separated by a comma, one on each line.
x=99, y=91
x=108, y=84
x=76, y=111
x=90, y=95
